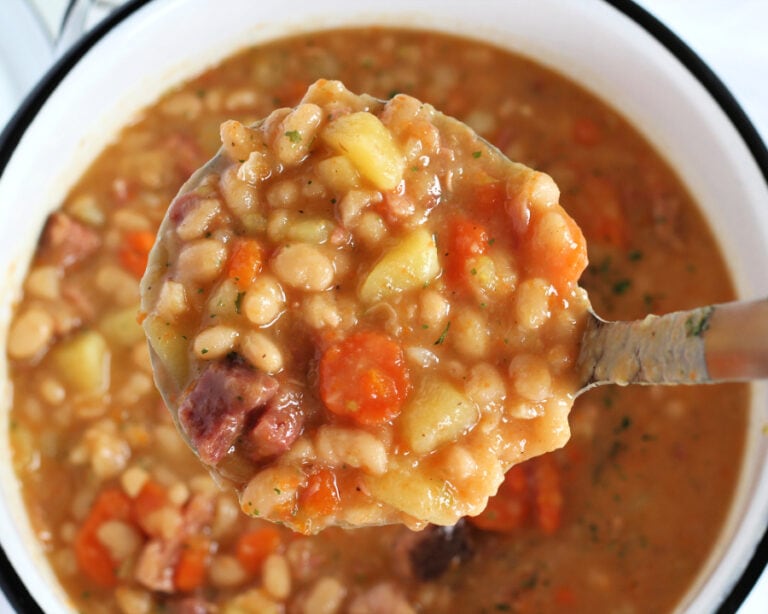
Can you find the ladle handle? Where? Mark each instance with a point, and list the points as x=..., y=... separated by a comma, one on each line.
x=726, y=342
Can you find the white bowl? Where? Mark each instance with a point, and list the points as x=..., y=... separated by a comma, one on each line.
x=649, y=75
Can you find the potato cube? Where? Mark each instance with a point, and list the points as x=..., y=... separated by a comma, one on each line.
x=121, y=327
x=338, y=173
x=415, y=492
x=410, y=264
x=170, y=347
x=436, y=414
x=83, y=362
x=369, y=145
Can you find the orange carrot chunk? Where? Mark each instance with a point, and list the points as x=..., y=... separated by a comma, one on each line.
x=364, y=378
x=134, y=252
x=92, y=556
x=192, y=568
x=245, y=263
x=254, y=547
x=321, y=495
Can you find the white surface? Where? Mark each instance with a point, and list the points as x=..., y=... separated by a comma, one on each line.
x=728, y=36
x=25, y=52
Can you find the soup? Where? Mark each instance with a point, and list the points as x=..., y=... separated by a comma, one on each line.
x=326, y=304
x=132, y=523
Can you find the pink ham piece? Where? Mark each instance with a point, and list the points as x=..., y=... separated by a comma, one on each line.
x=279, y=426
x=214, y=411
x=67, y=242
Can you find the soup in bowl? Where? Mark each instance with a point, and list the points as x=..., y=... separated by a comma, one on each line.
x=657, y=501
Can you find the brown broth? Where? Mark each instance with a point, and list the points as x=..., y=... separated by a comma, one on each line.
x=649, y=473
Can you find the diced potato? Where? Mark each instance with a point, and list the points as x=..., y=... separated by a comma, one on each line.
x=170, y=347
x=409, y=265
x=338, y=173
x=416, y=493
x=121, y=327
x=223, y=301
x=369, y=145
x=436, y=414
x=82, y=362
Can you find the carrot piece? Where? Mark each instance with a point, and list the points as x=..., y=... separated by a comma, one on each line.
x=549, y=496
x=585, y=131
x=191, y=570
x=92, y=556
x=563, y=262
x=254, y=547
x=134, y=252
x=321, y=495
x=466, y=241
x=245, y=263
x=151, y=498
x=508, y=509
x=364, y=378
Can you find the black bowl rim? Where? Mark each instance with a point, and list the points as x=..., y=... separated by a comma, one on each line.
x=17, y=593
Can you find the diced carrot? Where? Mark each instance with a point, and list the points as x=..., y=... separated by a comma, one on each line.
x=561, y=262
x=531, y=494
x=192, y=568
x=549, y=496
x=151, y=498
x=585, y=131
x=321, y=495
x=93, y=558
x=364, y=378
x=134, y=252
x=508, y=509
x=254, y=547
x=245, y=263
x=465, y=241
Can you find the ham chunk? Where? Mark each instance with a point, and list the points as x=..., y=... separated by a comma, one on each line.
x=214, y=412
x=66, y=242
x=279, y=426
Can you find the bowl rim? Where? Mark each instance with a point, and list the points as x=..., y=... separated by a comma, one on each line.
x=14, y=589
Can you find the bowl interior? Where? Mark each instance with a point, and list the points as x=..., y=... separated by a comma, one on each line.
x=640, y=78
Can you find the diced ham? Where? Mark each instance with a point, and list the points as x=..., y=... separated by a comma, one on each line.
x=66, y=242
x=278, y=426
x=157, y=560
x=213, y=413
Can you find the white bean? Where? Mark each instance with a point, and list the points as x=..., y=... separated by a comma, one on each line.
x=262, y=352
x=303, y=266
x=215, y=342
x=264, y=300
x=202, y=260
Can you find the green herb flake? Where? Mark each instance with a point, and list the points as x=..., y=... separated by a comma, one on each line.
x=473, y=271
x=635, y=255
x=621, y=286
x=239, y=301
x=491, y=241
x=278, y=491
x=294, y=136
x=696, y=324
x=204, y=351
x=444, y=334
